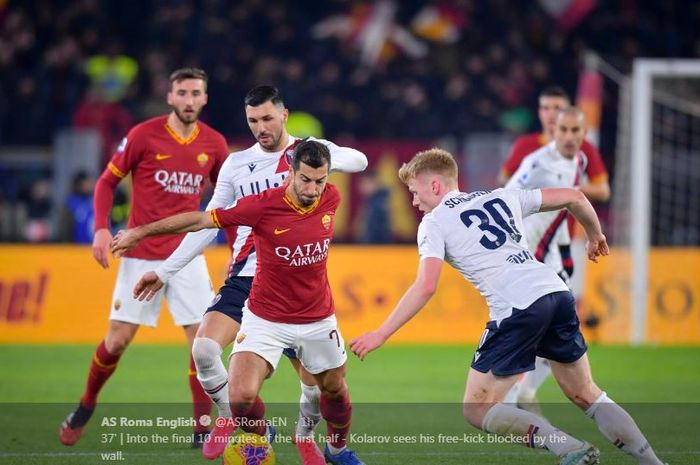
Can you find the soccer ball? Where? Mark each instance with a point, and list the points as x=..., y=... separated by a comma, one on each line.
x=249, y=449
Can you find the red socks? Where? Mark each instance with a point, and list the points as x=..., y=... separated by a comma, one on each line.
x=101, y=368
x=338, y=415
x=251, y=420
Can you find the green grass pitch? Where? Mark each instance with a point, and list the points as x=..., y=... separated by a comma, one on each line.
x=406, y=406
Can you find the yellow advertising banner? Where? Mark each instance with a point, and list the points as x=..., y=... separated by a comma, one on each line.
x=673, y=297
x=58, y=294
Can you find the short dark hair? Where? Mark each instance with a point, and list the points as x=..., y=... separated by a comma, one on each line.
x=188, y=73
x=312, y=153
x=554, y=91
x=261, y=94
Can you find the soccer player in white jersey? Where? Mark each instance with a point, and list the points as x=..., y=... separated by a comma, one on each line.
x=560, y=163
x=248, y=172
x=532, y=311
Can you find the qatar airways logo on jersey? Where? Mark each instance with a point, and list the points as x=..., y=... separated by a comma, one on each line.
x=179, y=182
x=305, y=254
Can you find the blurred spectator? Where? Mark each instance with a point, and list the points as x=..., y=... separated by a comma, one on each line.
x=36, y=202
x=376, y=223
x=484, y=60
x=111, y=120
x=112, y=71
x=78, y=216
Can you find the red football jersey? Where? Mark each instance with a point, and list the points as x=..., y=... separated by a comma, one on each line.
x=525, y=145
x=168, y=176
x=290, y=283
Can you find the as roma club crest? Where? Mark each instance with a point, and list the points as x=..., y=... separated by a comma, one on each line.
x=202, y=159
x=326, y=221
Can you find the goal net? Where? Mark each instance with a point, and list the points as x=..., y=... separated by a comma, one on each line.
x=655, y=204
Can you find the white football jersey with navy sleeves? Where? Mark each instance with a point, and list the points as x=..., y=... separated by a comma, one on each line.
x=480, y=235
x=249, y=172
x=547, y=168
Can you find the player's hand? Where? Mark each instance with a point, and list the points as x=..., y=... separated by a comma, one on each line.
x=363, y=345
x=597, y=246
x=100, y=246
x=125, y=240
x=147, y=286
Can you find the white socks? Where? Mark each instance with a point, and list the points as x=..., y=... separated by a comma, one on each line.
x=212, y=373
x=309, y=410
x=525, y=388
x=620, y=429
x=528, y=429
x=534, y=379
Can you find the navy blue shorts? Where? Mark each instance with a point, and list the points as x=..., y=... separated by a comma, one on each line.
x=548, y=328
x=231, y=299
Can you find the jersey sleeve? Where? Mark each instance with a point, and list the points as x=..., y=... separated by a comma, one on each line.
x=530, y=201
x=515, y=157
x=344, y=159
x=246, y=212
x=220, y=157
x=523, y=175
x=430, y=240
x=224, y=190
x=595, y=169
x=191, y=246
x=128, y=154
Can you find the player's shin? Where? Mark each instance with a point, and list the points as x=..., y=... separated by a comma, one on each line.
x=103, y=365
x=211, y=373
x=201, y=403
x=620, y=429
x=338, y=416
x=250, y=418
x=528, y=429
x=309, y=411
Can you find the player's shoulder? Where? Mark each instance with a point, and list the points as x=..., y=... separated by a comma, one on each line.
x=590, y=150
x=148, y=127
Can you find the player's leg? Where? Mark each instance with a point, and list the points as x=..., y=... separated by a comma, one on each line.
x=613, y=421
x=530, y=384
x=506, y=350
x=255, y=356
x=188, y=293
x=126, y=315
x=216, y=331
x=483, y=408
x=218, y=328
x=309, y=402
x=321, y=351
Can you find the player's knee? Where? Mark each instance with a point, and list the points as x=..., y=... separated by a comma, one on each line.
x=474, y=413
x=583, y=395
x=334, y=387
x=205, y=352
x=116, y=343
x=241, y=399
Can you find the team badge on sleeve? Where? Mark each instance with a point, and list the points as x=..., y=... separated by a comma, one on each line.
x=122, y=146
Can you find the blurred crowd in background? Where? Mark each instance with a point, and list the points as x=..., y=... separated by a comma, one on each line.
x=364, y=69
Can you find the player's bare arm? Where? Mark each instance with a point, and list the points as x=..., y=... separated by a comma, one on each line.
x=100, y=246
x=184, y=222
x=597, y=192
x=577, y=203
x=413, y=300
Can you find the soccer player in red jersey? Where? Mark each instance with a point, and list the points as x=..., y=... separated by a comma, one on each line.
x=169, y=157
x=551, y=101
x=290, y=303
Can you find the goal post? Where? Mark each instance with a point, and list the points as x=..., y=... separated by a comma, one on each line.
x=657, y=170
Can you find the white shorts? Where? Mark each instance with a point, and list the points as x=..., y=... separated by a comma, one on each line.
x=188, y=293
x=319, y=345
